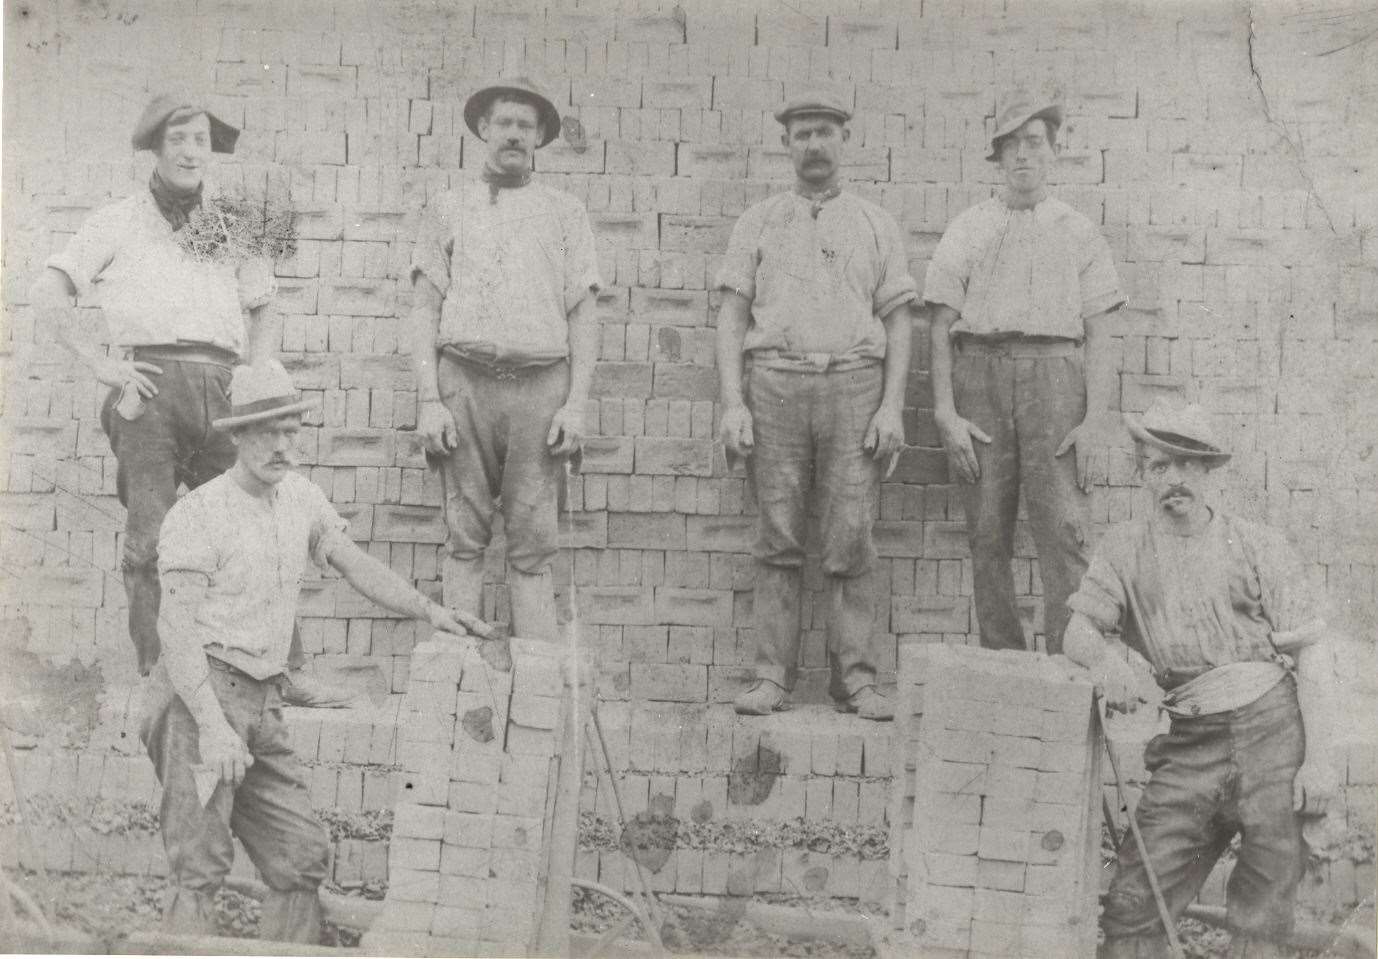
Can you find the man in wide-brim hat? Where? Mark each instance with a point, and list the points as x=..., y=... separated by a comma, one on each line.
x=177, y=327
x=505, y=337
x=1019, y=289
x=231, y=556
x=1225, y=613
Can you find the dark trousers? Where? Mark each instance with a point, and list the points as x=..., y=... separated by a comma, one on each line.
x=1212, y=777
x=1027, y=397
x=169, y=445
x=270, y=811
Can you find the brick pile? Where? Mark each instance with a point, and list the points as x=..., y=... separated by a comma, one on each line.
x=478, y=757
x=995, y=806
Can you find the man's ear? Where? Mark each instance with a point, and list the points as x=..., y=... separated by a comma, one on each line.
x=784, y=138
x=846, y=133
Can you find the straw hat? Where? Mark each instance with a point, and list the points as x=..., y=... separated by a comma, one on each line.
x=263, y=391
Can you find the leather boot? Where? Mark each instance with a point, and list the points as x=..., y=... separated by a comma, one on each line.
x=291, y=916
x=533, y=605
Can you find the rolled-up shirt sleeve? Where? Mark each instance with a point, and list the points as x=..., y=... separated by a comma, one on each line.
x=184, y=541
x=1100, y=284
x=1101, y=596
x=896, y=286
x=1291, y=600
x=327, y=529
x=430, y=255
x=581, y=257
x=950, y=269
x=738, y=270
x=90, y=250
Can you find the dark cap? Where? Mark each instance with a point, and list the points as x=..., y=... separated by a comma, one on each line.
x=521, y=88
x=1018, y=109
x=815, y=102
x=163, y=107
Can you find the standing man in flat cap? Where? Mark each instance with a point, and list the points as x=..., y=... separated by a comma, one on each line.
x=1019, y=289
x=177, y=328
x=817, y=294
x=505, y=336
x=232, y=553
x=1225, y=614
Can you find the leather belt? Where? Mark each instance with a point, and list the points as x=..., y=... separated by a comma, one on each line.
x=498, y=371
x=796, y=362
x=185, y=353
x=1015, y=345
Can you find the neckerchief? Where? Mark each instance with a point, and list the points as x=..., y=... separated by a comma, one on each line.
x=816, y=200
x=499, y=180
x=175, y=205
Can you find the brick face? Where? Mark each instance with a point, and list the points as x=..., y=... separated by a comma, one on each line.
x=1248, y=263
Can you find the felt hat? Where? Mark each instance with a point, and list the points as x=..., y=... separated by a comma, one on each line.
x=816, y=101
x=263, y=391
x=1180, y=430
x=1017, y=109
x=164, y=106
x=522, y=88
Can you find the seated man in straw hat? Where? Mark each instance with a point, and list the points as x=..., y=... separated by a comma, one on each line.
x=1223, y=611
x=231, y=555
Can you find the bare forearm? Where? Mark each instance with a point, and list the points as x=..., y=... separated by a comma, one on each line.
x=425, y=325
x=899, y=334
x=583, y=349
x=54, y=306
x=1083, y=643
x=1100, y=365
x=941, y=319
x=380, y=584
x=262, y=334
x=1316, y=697
x=733, y=318
x=183, y=649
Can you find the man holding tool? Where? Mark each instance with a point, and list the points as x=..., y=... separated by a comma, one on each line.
x=231, y=555
x=177, y=325
x=505, y=336
x=1223, y=612
x=816, y=291
x=1016, y=286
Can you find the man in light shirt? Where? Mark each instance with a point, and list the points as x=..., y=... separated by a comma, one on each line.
x=505, y=336
x=1224, y=612
x=1019, y=288
x=231, y=556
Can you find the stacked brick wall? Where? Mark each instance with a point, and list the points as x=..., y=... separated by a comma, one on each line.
x=1225, y=160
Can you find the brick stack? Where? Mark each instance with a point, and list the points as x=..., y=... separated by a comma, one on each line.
x=995, y=806
x=478, y=755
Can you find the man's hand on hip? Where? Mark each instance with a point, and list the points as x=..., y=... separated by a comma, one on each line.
x=566, y=434
x=1315, y=785
x=436, y=425
x=116, y=373
x=1120, y=685
x=223, y=751
x=957, y=434
x=885, y=437
x=736, y=433
x=1097, y=430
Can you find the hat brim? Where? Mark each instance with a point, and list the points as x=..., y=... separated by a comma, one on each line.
x=477, y=105
x=783, y=116
x=230, y=422
x=1052, y=113
x=223, y=136
x=1215, y=457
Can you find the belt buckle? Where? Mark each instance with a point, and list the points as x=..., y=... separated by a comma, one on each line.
x=499, y=373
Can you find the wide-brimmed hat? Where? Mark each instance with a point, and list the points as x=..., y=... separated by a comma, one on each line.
x=1019, y=108
x=522, y=88
x=165, y=105
x=1180, y=430
x=263, y=391
x=815, y=101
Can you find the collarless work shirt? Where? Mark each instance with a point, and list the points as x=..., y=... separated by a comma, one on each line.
x=126, y=258
x=1191, y=603
x=253, y=552
x=1037, y=272
x=818, y=284
x=510, y=270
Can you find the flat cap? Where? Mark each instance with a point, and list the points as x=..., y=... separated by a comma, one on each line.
x=818, y=101
x=1180, y=430
x=1017, y=109
x=521, y=88
x=164, y=106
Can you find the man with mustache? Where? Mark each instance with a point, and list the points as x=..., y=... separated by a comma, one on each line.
x=816, y=292
x=1016, y=286
x=177, y=328
x=232, y=554
x=1223, y=611
x=505, y=336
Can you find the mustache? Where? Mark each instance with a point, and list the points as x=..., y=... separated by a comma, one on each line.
x=1175, y=491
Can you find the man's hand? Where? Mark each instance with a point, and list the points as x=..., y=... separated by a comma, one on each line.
x=437, y=427
x=116, y=373
x=957, y=434
x=1096, y=430
x=223, y=751
x=885, y=437
x=1119, y=685
x=1314, y=787
x=444, y=620
x=736, y=433
x=566, y=433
